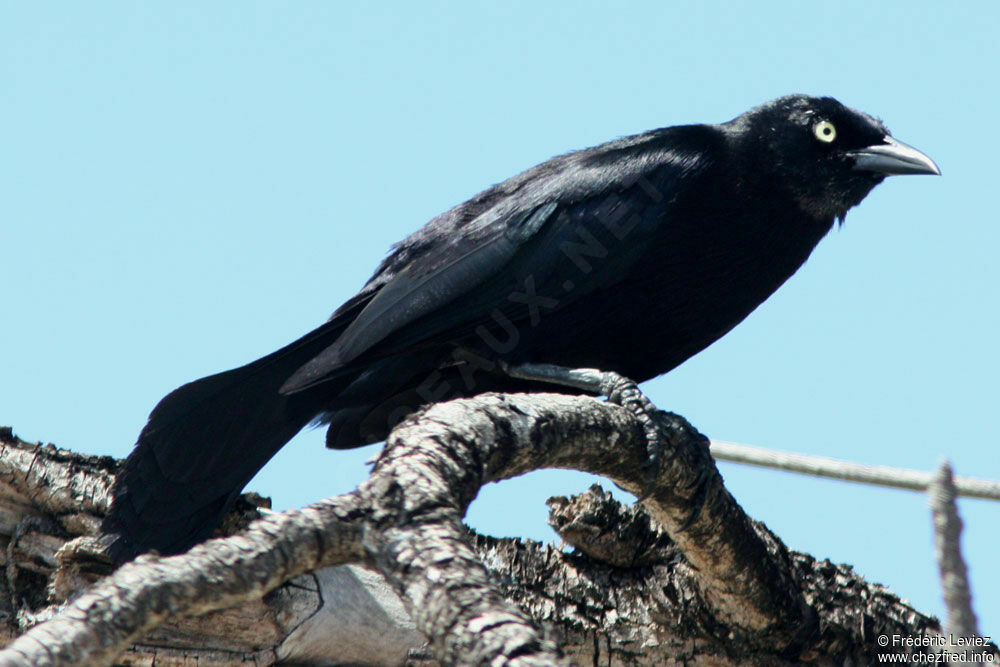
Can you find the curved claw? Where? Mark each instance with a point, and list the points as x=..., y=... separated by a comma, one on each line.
x=619, y=390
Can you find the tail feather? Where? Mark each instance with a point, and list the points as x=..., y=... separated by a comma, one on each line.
x=202, y=444
x=205, y=440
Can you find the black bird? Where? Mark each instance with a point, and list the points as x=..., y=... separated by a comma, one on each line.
x=627, y=257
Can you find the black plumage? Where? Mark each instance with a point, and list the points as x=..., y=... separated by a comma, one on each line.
x=627, y=257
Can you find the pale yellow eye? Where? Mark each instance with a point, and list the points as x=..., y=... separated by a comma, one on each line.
x=825, y=131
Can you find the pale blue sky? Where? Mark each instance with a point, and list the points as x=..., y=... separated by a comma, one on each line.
x=186, y=186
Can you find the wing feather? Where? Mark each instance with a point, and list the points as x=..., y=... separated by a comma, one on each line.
x=411, y=295
x=455, y=273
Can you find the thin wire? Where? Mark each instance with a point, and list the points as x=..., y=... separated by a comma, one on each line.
x=821, y=466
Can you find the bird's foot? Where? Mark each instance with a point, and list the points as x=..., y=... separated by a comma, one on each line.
x=626, y=393
x=658, y=426
x=619, y=390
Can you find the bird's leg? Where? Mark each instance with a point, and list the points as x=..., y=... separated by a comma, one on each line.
x=624, y=392
x=618, y=388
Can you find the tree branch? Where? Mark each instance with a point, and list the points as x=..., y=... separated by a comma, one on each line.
x=722, y=586
x=961, y=621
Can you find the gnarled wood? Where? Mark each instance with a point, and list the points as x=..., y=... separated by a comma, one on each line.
x=641, y=587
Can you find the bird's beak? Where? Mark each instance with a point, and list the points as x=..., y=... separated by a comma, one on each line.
x=893, y=157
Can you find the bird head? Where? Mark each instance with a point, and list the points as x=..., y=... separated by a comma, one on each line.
x=827, y=155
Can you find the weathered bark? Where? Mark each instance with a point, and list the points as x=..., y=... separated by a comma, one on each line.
x=642, y=587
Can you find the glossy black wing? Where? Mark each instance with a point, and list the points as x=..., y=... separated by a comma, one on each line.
x=555, y=232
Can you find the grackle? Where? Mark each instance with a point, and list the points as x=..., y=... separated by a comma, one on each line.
x=628, y=258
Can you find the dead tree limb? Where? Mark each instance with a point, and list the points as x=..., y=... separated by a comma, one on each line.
x=645, y=587
x=961, y=620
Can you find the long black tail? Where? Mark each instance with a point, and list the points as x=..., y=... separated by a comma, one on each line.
x=203, y=442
